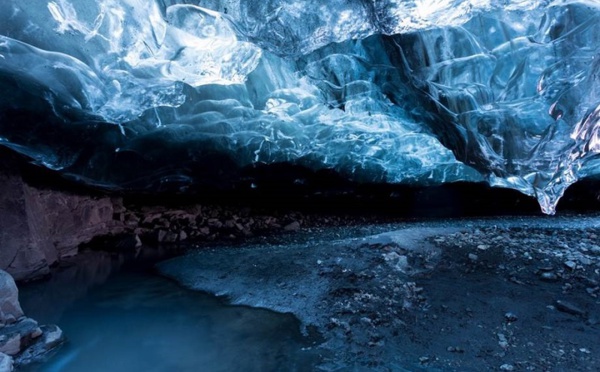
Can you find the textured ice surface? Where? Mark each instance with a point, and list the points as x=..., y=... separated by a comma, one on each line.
x=125, y=93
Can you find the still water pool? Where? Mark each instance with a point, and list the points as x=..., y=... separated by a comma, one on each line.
x=122, y=317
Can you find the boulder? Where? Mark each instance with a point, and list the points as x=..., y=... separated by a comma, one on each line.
x=10, y=309
x=51, y=338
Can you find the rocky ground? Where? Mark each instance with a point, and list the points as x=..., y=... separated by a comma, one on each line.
x=529, y=295
x=462, y=295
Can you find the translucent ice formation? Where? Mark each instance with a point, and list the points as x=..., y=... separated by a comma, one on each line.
x=130, y=93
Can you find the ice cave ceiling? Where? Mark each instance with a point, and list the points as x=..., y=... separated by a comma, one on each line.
x=132, y=93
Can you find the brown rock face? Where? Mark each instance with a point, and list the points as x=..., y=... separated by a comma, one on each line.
x=38, y=227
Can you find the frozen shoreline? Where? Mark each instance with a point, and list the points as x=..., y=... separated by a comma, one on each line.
x=424, y=295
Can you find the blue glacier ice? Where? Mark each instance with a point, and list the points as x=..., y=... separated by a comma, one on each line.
x=127, y=93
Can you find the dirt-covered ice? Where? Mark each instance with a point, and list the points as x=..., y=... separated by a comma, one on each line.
x=459, y=295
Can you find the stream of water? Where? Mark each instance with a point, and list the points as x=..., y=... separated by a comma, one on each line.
x=119, y=316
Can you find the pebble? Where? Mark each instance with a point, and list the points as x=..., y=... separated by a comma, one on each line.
x=502, y=341
x=507, y=367
x=568, y=308
x=473, y=257
x=453, y=349
x=548, y=276
x=294, y=226
x=585, y=261
x=570, y=264
x=510, y=317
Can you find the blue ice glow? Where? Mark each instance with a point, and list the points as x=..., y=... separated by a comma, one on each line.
x=402, y=91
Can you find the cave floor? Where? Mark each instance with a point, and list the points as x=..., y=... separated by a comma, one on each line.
x=516, y=293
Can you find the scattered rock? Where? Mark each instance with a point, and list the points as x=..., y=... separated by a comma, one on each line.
x=454, y=349
x=584, y=260
x=502, y=341
x=294, y=226
x=161, y=235
x=510, y=317
x=568, y=308
x=548, y=276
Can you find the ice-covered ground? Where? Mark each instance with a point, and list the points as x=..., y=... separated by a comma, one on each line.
x=453, y=295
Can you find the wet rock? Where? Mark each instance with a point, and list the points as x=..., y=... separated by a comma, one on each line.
x=19, y=335
x=10, y=344
x=6, y=363
x=52, y=338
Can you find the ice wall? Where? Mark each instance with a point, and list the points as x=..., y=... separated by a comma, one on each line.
x=132, y=93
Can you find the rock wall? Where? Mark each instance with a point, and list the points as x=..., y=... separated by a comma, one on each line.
x=40, y=226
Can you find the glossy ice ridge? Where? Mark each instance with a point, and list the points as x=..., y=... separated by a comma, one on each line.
x=126, y=93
